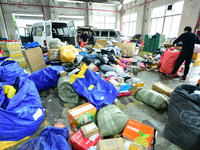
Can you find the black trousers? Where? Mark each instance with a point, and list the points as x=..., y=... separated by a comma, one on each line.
x=185, y=55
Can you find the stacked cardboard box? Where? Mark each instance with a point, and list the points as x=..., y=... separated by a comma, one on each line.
x=151, y=44
x=13, y=50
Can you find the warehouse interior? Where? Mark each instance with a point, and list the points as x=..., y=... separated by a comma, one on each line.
x=132, y=17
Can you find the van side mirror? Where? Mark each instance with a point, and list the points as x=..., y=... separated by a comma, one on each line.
x=115, y=35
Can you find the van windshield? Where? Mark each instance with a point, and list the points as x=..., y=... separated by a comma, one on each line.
x=119, y=33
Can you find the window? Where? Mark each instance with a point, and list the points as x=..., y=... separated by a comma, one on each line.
x=112, y=34
x=103, y=22
x=97, y=33
x=129, y=24
x=48, y=33
x=38, y=31
x=166, y=21
x=60, y=31
x=104, y=33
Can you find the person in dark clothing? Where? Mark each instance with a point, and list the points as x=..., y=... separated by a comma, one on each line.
x=92, y=39
x=84, y=37
x=188, y=40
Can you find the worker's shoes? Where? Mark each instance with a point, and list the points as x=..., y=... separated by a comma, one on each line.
x=183, y=77
x=171, y=76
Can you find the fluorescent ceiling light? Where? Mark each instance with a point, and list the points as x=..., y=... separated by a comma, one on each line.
x=63, y=16
x=69, y=1
x=104, y=4
x=31, y=15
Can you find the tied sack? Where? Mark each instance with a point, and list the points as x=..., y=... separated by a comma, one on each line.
x=152, y=98
x=183, y=125
x=111, y=120
x=67, y=53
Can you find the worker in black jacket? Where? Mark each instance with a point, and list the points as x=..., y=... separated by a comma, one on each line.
x=188, y=40
x=92, y=39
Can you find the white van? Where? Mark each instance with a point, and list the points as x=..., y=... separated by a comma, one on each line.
x=44, y=31
x=110, y=34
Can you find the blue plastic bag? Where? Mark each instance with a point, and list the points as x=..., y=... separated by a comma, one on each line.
x=31, y=45
x=47, y=77
x=23, y=114
x=9, y=71
x=92, y=86
x=51, y=138
x=125, y=87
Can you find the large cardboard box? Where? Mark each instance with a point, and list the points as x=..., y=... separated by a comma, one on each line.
x=89, y=130
x=82, y=115
x=111, y=144
x=162, y=88
x=34, y=58
x=140, y=133
x=53, y=54
x=78, y=142
x=197, y=62
x=129, y=47
x=102, y=42
x=196, y=56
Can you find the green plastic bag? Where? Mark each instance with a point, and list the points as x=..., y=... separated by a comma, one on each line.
x=66, y=91
x=111, y=120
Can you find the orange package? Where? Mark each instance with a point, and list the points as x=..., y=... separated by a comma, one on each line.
x=82, y=115
x=140, y=133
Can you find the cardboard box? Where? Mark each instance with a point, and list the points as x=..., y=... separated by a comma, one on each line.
x=34, y=58
x=139, y=133
x=115, y=84
x=141, y=48
x=78, y=142
x=124, y=52
x=162, y=88
x=140, y=85
x=93, y=67
x=89, y=130
x=197, y=62
x=134, y=69
x=196, y=56
x=102, y=42
x=82, y=115
x=129, y=47
x=134, y=89
x=53, y=54
x=131, y=145
x=145, y=54
x=63, y=73
x=111, y=144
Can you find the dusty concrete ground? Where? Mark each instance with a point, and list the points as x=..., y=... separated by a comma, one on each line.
x=56, y=110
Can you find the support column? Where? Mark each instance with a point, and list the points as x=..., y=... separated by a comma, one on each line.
x=86, y=17
x=118, y=17
x=9, y=23
x=53, y=11
x=3, y=30
x=46, y=11
x=90, y=14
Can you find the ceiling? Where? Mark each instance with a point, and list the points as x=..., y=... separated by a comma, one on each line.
x=101, y=1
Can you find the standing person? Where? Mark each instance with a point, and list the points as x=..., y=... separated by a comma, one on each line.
x=84, y=36
x=92, y=39
x=188, y=39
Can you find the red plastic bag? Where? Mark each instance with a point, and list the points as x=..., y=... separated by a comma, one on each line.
x=167, y=62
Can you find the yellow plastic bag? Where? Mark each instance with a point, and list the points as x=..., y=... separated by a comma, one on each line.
x=67, y=53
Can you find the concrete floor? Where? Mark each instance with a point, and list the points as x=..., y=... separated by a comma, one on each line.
x=56, y=110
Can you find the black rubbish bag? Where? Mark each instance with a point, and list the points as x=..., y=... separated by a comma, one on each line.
x=183, y=125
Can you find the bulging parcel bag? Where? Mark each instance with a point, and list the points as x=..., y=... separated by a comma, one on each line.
x=111, y=120
x=183, y=125
x=67, y=53
x=92, y=86
x=152, y=98
x=22, y=116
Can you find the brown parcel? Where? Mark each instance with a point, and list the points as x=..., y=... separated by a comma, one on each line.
x=53, y=54
x=89, y=130
x=34, y=58
x=134, y=89
x=111, y=144
x=132, y=145
x=162, y=88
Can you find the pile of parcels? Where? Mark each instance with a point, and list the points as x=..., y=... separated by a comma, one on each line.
x=12, y=49
x=100, y=76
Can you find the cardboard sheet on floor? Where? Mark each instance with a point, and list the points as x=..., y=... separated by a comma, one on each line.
x=34, y=58
x=102, y=42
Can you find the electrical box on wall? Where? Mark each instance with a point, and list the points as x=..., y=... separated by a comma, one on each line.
x=169, y=7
